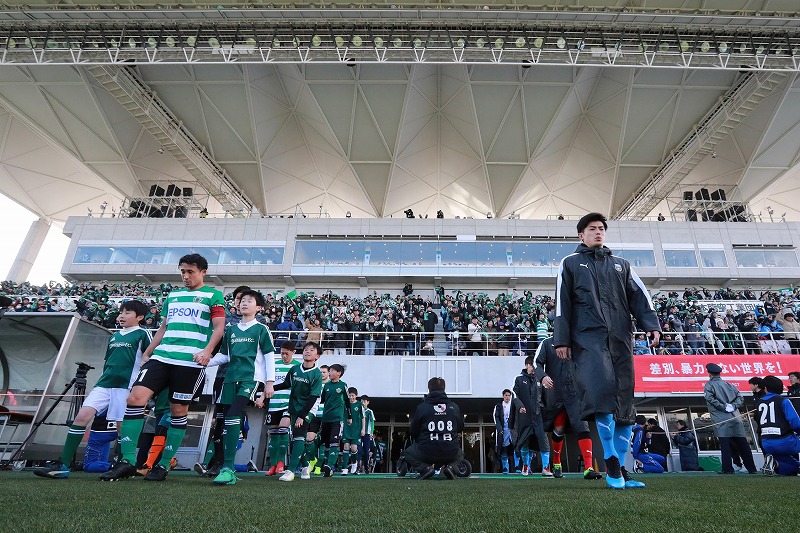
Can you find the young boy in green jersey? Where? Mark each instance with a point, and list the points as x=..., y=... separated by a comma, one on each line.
x=277, y=419
x=314, y=426
x=123, y=355
x=353, y=431
x=337, y=409
x=305, y=385
x=247, y=348
x=194, y=322
x=367, y=444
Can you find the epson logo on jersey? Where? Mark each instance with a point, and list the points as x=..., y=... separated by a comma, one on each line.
x=179, y=396
x=235, y=340
x=301, y=378
x=183, y=311
x=120, y=345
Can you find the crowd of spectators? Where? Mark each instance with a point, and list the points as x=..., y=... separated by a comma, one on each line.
x=473, y=323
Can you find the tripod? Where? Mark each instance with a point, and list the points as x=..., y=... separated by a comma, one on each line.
x=76, y=402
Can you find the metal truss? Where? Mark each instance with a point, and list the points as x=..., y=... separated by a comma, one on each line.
x=333, y=36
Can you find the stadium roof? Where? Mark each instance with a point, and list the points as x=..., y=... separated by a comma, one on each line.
x=648, y=99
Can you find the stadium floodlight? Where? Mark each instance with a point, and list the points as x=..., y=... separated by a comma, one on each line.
x=722, y=48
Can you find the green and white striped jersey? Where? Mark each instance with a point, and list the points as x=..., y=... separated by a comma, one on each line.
x=188, y=318
x=123, y=357
x=249, y=352
x=280, y=401
x=369, y=417
x=319, y=406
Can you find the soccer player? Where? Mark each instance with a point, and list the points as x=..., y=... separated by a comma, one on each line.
x=215, y=452
x=123, y=354
x=354, y=430
x=367, y=444
x=277, y=420
x=530, y=425
x=596, y=294
x=194, y=322
x=561, y=407
x=304, y=382
x=247, y=349
x=314, y=426
x=780, y=427
x=337, y=409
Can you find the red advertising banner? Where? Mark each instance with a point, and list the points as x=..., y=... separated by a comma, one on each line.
x=687, y=373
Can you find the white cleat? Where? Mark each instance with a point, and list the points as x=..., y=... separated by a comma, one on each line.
x=287, y=476
x=305, y=473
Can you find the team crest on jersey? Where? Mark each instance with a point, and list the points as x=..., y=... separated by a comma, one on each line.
x=618, y=268
x=440, y=407
x=338, y=390
x=197, y=299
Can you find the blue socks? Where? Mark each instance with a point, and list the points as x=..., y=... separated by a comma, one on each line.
x=622, y=440
x=606, y=430
x=545, y=460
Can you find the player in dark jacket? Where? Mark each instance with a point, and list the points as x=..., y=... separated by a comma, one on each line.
x=596, y=294
x=529, y=418
x=434, y=427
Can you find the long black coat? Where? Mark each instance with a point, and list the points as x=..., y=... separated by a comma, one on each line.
x=563, y=394
x=596, y=294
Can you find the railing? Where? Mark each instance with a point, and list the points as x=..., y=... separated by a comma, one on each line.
x=351, y=343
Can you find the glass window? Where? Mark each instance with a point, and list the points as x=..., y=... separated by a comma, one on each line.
x=174, y=254
x=492, y=254
x=458, y=253
x=123, y=255
x=780, y=258
x=93, y=254
x=309, y=252
x=211, y=254
x=560, y=250
x=713, y=258
x=383, y=253
x=235, y=256
x=344, y=253
x=150, y=256
x=531, y=254
x=638, y=258
x=268, y=256
x=680, y=258
x=419, y=253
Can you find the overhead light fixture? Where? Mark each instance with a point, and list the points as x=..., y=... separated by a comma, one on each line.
x=152, y=42
x=191, y=40
x=561, y=43
x=417, y=42
x=357, y=40
x=481, y=42
x=705, y=46
x=538, y=42
x=170, y=41
x=580, y=45
x=722, y=48
x=316, y=40
x=498, y=43
x=339, y=41
x=663, y=46
x=778, y=50
x=276, y=43
x=213, y=42
x=760, y=50
x=11, y=43
x=460, y=42
x=519, y=42
x=132, y=42
x=742, y=48
x=295, y=42
x=397, y=42
x=684, y=46
x=251, y=42
x=378, y=42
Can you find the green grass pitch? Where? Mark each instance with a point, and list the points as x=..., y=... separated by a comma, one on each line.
x=187, y=503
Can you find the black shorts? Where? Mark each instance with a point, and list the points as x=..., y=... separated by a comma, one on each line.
x=315, y=425
x=273, y=418
x=183, y=382
x=331, y=433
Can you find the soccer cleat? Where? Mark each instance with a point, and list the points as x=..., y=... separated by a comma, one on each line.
x=447, y=471
x=354, y=469
x=505, y=471
x=345, y=470
x=589, y=473
x=140, y=472
x=120, y=470
x=270, y=471
x=312, y=463
x=402, y=468
x=226, y=477
x=213, y=471
x=158, y=473
x=251, y=466
x=614, y=474
x=546, y=472
x=280, y=468
x=557, y=472
x=288, y=475
x=317, y=471
x=630, y=483
x=200, y=469
x=427, y=473
x=305, y=473
x=327, y=471
x=53, y=470
x=525, y=470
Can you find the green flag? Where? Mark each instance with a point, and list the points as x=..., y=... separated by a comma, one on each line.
x=292, y=294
